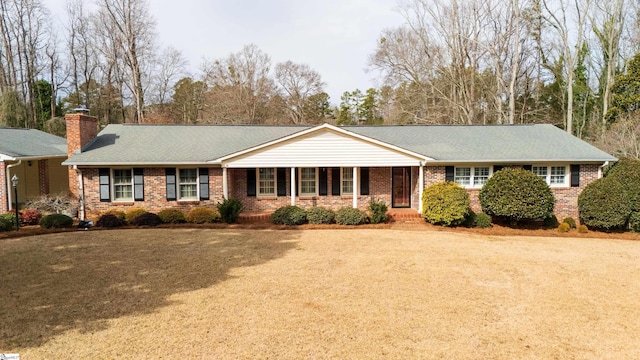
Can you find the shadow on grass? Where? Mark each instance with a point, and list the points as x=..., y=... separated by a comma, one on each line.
x=66, y=281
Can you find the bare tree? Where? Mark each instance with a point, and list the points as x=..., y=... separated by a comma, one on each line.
x=170, y=66
x=298, y=83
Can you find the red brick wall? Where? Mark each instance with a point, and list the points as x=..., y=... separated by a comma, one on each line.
x=80, y=130
x=4, y=200
x=566, y=197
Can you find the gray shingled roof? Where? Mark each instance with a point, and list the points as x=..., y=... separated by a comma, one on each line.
x=176, y=144
x=31, y=143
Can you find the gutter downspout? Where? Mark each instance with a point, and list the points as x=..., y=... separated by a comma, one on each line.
x=9, y=187
x=80, y=193
x=606, y=163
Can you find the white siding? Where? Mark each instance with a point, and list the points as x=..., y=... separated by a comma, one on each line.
x=326, y=148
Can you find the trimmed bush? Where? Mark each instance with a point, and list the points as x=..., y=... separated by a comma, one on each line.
x=230, y=210
x=5, y=225
x=564, y=227
x=482, y=220
x=109, y=221
x=201, y=215
x=172, y=216
x=56, y=221
x=569, y=220
x=551, y=222
x=445, y=203
x=378, y=211
x=517, y=194
x=30, y=217
x=289, y=215
x=582, y=229
x=351, y=216
x=634, y=221
x=320, y=215
x=604, y=204
x=115, y=212
x=9, y=216
x=628, y=172
x=133, y=213
x=147, y=219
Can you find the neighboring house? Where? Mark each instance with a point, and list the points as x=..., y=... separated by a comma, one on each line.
x=182, y=166
x=35, y=157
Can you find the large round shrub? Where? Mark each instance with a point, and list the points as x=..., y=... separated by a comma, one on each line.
x=446, y=204
x=109, y=221
x=172, y=216
x=289, y=215
x=133, y=213
x=320, y=215
x=201, y=215
x=351, y=216
x=5, y=225
x=628, y=172
x=517, y=194
x=604, y=204
x=147, y=219
x=56, y=221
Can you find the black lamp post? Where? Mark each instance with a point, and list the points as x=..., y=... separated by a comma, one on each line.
x=14, y=181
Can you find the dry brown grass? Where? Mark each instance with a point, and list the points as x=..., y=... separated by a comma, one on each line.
x=365, y=293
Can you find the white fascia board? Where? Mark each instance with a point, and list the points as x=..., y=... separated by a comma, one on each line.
x=324, y=126
x=140, y=164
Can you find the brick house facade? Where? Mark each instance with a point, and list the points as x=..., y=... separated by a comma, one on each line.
x=184, y=167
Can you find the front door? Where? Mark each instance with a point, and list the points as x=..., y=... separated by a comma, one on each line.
x=401, y=187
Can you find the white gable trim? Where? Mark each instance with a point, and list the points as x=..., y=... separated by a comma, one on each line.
x=318, y=129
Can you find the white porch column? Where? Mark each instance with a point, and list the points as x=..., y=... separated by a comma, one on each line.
x=356, y=188
x=420, y=187
x=225, y=183
x=293, y=186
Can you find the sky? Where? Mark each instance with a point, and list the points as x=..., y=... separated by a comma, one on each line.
x=334, y=37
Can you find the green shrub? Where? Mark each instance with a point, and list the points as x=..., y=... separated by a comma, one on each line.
x=289, y=215
x=583, y=229
x=517, y=194
x=147, y=219
x=470, y=220
x=230, y=210
x=201, y=215
x=109, y=221
x=564, y=227
x=378, y=211
x=550, y=222
x=351, y=216
x=30, y=217
x=569, y=220
x=133, y=213
x=482, y=220
x=446, y=204
x=9, y=216
x=634, y=221
x=172, y=216
x=604, y=204
x=56, y=221
x=628, y=172
x=5, y=225
x=117, y=213
x=320, y=215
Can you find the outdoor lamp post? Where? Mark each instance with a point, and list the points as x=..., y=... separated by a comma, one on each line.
x=14, y=181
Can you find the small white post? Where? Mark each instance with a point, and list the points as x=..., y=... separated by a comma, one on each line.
x=420, y=187
x=356, y=188
x=225, y=184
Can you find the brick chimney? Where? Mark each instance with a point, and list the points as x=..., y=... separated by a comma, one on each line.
x=81, y=128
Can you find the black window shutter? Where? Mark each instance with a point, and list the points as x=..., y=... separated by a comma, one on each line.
x=170, y=174
x=297, y=182
x=251, y=182
x=364, y=181
x=282, y=181
x=526, y=167
x=335, y=181
x=449, y=173
x=138, y=184
x=105, y=187
x=203, y=175
x=575, y=175
x=322, y=181
x=497, y=168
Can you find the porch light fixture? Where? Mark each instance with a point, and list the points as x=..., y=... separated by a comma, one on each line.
x=14, y=182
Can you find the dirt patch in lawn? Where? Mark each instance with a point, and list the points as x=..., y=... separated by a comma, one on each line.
x=365, y=293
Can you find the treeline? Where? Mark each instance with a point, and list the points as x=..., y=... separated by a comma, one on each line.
x=563, y=62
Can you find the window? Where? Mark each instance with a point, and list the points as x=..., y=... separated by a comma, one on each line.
x=552, y=175
x=266, y=182
x=122, y=185
x=480, y=176
x=308, y=182
x=472, y=176
x=188, y=184
x=347, y=181
x=463, y=176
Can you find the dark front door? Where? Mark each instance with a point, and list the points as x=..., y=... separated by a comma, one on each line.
x=401, y=187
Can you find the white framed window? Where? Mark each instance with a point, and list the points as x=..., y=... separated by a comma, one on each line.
x=266, y=182
x=308, y=181
x=346, y=181
x=472, y=176
x=123, y=184
x=554, y=176
x=187, y=184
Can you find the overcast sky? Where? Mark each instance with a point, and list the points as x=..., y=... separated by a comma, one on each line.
x=334, y=37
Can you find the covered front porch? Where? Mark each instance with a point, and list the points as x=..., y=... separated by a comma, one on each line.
x=36, y=177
